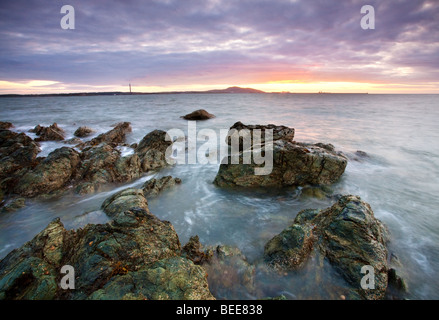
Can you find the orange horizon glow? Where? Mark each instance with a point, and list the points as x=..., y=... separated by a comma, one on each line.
x=275, y=86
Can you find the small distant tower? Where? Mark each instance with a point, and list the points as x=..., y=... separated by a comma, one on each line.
x=130, y=89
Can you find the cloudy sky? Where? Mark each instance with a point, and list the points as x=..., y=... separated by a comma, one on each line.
x=272, y=45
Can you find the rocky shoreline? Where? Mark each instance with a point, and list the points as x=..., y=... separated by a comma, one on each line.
x=138, y=256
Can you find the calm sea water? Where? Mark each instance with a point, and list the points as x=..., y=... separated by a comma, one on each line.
x=399, y=179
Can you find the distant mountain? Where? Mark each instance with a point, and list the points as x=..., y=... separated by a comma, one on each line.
x=235, y=90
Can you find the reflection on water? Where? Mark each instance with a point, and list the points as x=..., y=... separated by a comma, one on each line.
x=398, y=177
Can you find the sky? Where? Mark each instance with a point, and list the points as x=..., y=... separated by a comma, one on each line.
x=183, y=45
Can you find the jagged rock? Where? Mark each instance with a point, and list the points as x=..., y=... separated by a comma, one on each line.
x=193, y=250
x=5, y=125
x=294, y=164
x=245, y=133
x=347, y=234
x=116, y=135
x=103, y=164
x=51, y=133
x=51, y=174
x=17, y=151
x=290, y=249
x=153, y=187
x=152, y=150
x=82, y=132
x=133, y=256
x=124, y=200
x=200, y=114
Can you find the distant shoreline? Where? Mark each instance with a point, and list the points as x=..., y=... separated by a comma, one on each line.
x=230, y=90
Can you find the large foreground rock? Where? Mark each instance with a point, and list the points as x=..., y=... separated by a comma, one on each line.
x=347, y=234
x=294, y=164
x=134, y=256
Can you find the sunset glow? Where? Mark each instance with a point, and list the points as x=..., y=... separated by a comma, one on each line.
x=274, y=46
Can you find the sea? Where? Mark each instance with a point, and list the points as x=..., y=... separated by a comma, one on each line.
x=396, y=172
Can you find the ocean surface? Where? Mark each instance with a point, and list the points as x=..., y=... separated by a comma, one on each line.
x=399, y=177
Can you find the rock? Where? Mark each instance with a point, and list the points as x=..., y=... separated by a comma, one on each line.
x=290, y=249
x=74, y=141
x=53, y=173
x=346, y=234
x=174, y=278
x=230, y=274
x=194, y=252
x=82, y=132
x=133, y=256
x=116, y=136
x=17, y=152
x=294, y=164
x=200, y=114
x=103, y=164
x=13, y=205
x=124, y=200
x=241, y=131
x=153, y=187
x=5, y=125
x=30, y=272
x=51, y=133
x=152, y=150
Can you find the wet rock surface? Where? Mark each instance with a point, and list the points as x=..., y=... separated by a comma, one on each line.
x=82, y=132
x=134, y=256
x=153, y=187
x=294, y=164
x=346, y=234
x=51, y=133
x=51, y=174
x=152, y=150
x=97, y=162
x=17, y=151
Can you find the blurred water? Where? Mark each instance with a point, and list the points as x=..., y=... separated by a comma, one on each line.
x=399, y=178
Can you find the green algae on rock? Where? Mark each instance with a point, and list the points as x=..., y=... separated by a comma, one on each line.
x=347, y=234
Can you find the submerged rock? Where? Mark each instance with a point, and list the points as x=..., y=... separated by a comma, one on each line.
x=12, y=205
x=200, y=114
x=51, y=133
x=51, y=174
x=153, y=187
x=152, y=150
x=230, y=274
x=134, y=256
x=294, y=164
x=347, y=234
